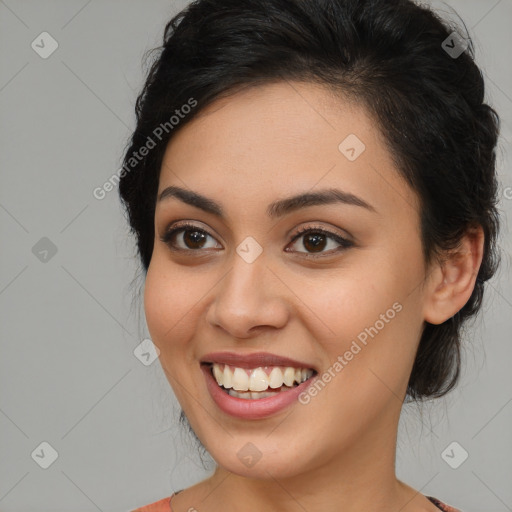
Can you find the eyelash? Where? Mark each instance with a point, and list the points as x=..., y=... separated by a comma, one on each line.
x=344, y=243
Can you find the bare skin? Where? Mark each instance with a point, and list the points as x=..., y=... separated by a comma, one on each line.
x=336, y=452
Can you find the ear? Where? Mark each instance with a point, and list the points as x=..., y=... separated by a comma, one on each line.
x=452, y=281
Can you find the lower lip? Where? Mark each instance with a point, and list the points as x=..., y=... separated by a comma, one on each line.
x=251, y=409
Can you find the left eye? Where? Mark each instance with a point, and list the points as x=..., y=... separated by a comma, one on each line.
x=315, y=240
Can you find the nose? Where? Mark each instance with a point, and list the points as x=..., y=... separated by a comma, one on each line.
x=249, y=299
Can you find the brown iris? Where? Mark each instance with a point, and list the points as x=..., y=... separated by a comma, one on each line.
x=194, y=239
x=314, y=242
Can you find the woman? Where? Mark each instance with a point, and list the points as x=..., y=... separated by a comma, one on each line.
x=312, y=189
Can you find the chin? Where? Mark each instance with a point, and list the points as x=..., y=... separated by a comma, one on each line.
x=261, y=458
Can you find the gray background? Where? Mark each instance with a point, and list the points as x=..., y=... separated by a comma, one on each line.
x=69, y=326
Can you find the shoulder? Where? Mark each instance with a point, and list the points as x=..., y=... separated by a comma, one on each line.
x=443, y=506
x=163, y=505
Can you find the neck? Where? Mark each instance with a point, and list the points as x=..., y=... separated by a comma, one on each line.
x=360, y=478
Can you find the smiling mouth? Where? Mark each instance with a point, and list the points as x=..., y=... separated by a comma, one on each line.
x=260, y=382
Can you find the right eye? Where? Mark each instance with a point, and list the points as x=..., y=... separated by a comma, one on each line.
x=191, y=237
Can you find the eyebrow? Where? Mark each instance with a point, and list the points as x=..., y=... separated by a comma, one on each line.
x=276, y=209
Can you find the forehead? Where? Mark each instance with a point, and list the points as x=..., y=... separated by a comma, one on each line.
x=280, y=139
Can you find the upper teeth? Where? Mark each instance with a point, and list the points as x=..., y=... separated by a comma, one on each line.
x=257, y=379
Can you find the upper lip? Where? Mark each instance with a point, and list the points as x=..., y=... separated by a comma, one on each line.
x=253, y=360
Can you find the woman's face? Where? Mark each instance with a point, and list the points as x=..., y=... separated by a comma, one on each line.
x=347, y=304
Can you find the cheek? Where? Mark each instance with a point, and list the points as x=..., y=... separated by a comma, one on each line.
x=169, y=308
x=373, y=314
x=350, y=300
x=168, y=305
x=369, y=361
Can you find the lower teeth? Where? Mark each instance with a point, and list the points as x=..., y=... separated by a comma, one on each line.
x=256, y=395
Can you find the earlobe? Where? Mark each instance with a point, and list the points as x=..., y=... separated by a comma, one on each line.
x=452, y=280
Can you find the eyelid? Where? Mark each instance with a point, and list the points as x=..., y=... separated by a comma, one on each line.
x=321, y=229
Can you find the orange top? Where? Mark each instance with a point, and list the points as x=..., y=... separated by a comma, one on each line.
x=159, y=506
x=164, y=505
